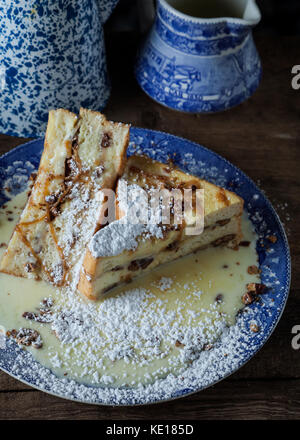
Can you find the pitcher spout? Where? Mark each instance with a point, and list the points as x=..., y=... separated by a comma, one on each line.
x=252, y=14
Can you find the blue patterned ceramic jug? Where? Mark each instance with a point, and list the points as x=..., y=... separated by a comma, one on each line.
x=52, y=55
x=201, y=65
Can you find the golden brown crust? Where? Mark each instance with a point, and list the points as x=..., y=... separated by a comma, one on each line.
x=86, y=274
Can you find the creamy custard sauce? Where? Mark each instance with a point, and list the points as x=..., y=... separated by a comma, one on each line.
x=154, y=326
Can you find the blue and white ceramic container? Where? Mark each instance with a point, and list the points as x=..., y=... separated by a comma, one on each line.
x=200, y=65
x=52, y=55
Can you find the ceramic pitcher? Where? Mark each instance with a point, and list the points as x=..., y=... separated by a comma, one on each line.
x=52, y=55
x=200, y=65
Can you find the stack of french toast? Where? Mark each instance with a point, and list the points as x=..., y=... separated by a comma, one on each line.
x=64, y=235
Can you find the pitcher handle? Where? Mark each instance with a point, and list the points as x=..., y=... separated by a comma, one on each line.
x=106, y=8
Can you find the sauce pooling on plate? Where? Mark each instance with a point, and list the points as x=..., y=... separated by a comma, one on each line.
x=154, y=326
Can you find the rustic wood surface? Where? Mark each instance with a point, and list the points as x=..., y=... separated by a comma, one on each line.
x=262, y=137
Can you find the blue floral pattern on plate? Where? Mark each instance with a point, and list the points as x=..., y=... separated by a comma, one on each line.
x=275, y=266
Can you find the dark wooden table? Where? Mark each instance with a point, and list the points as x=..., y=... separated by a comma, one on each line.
x=262, y=137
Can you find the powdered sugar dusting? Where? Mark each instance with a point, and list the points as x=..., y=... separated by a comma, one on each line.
x=209, y=367
x=124, y=234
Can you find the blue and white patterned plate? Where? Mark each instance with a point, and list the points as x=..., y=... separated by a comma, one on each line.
x=274, y=259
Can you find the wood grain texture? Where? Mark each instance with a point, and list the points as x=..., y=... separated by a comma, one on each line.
x=226, y=400
x=262, y=137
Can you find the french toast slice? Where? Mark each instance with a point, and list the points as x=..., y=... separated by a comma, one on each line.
x=82, y=155
x=122, y=251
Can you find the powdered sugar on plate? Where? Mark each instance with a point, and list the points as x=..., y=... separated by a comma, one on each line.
x=211, y=365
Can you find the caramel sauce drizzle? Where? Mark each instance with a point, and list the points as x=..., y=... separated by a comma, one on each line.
x=32, y=222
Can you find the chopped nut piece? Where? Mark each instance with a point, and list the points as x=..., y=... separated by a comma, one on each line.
x=219, y=298
x=272, y=238
x=253, y=270
x=98, y=172
x=71, y=167
x=45, y=316
x=54, y=212
x=30, y=267
x=106, y=140
x=256, y=288
x=29, y=315
x=27, y=337
x=179, y=344
x=254, y=328
x=51, y=198
x=248, y=298
x=48, y=302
